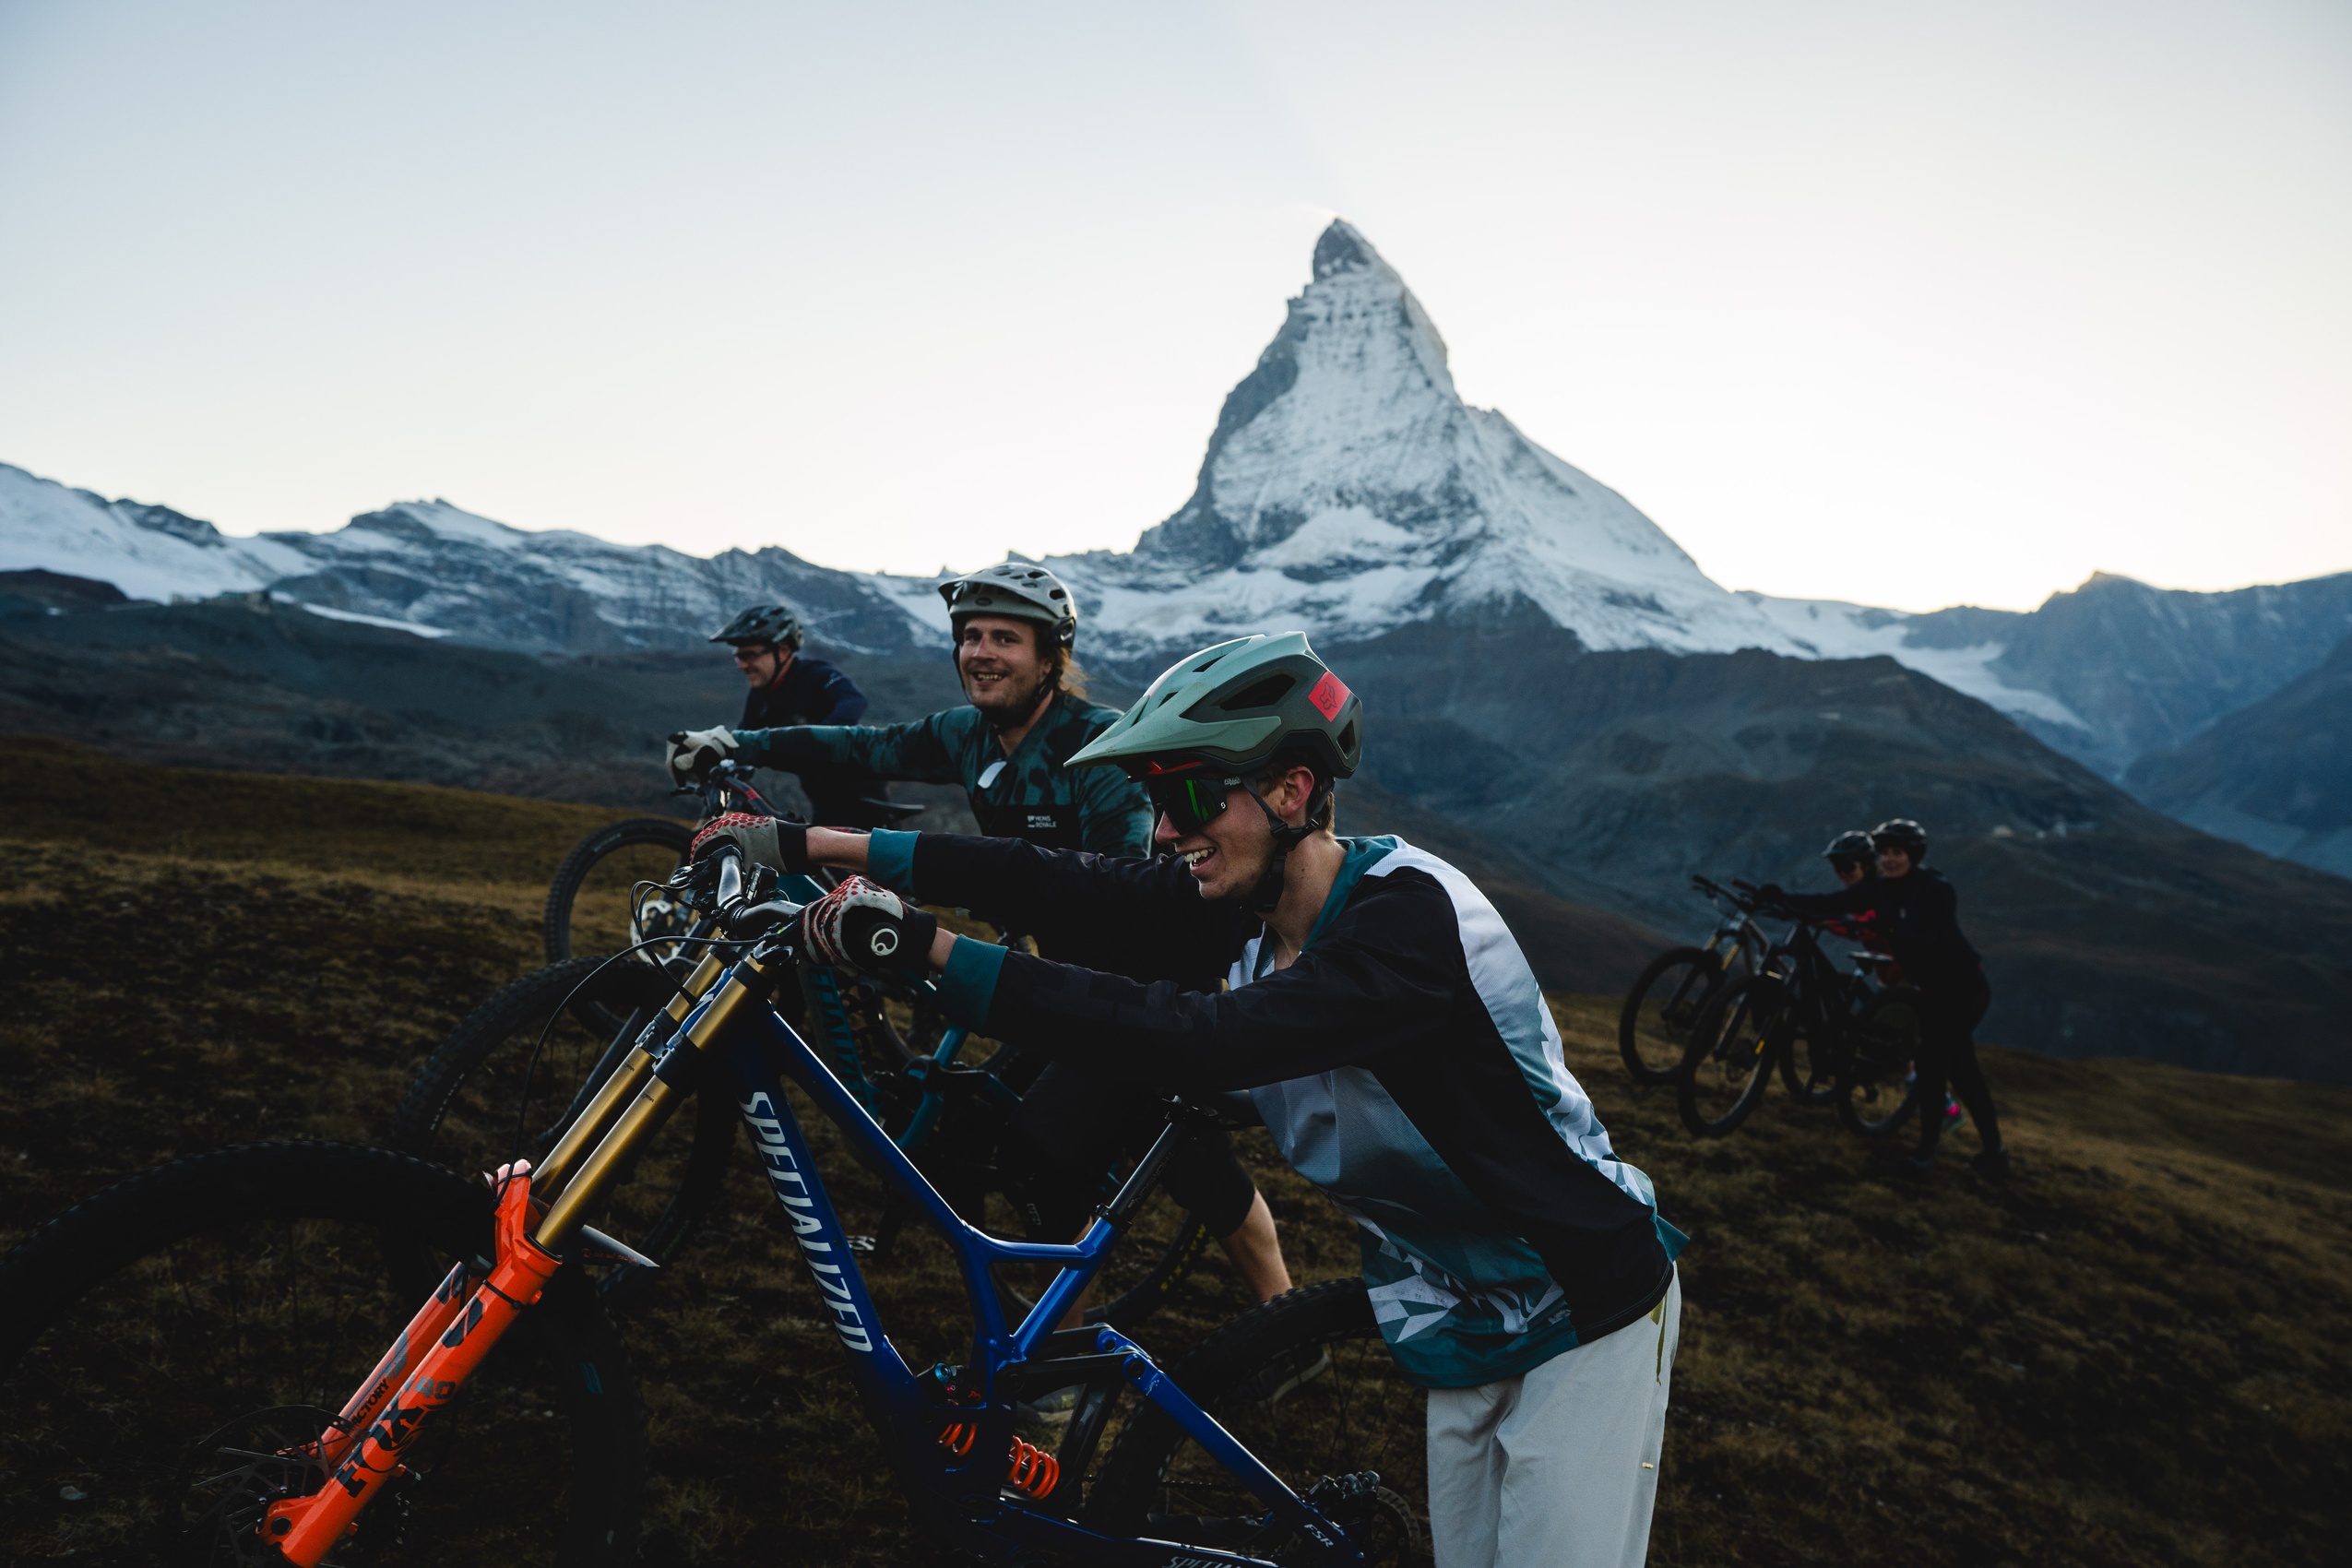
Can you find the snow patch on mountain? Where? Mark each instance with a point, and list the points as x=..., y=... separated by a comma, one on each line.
x=146, y=552
x=1829, y=628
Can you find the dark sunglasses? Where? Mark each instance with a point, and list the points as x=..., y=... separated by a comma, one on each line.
x=1190, y=804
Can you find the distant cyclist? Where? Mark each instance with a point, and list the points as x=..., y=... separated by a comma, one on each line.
x=1918, y=921
x=1014, y=627
x=1853, y=859
x=787, y=686
x=1398, y=1050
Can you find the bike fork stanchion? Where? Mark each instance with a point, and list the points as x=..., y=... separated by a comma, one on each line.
x=304, y=1529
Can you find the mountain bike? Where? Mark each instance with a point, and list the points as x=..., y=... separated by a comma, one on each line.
x=218, y=1361
x=1654, y=1026
x=539, y=1050
x=1831, y=1032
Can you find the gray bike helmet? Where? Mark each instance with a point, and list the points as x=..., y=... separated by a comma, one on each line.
x=771, y=624
x=1901, y=832
x=1016, y=589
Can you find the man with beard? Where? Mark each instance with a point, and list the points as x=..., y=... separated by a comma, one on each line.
x=1009, y=747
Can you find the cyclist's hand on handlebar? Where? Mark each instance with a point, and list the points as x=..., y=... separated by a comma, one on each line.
x=863, y=926
x=761, y=840
x=693, y=752
x=1771, y=893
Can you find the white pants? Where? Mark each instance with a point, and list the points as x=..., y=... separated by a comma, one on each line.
x=1557, y=1467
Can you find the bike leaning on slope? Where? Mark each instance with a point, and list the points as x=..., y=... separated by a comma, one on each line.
x=1654, y=1026
x=1837, y=1035
x=217, y=1362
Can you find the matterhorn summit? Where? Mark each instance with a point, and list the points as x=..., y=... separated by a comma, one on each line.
x=1347, y=489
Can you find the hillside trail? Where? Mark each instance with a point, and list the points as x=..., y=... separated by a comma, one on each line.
x=2139, y=1351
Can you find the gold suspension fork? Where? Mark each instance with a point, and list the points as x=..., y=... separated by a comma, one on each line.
x=666, y=1079
x=596, y=1118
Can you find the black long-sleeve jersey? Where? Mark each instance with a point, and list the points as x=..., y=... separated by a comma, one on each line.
x=1406, y=1063
x=1918, y=921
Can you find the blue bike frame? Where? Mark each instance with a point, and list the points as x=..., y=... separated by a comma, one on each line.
x=964, y=1497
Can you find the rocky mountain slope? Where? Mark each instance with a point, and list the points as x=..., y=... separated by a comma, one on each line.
x=2106, y=928
x=1582, y=789
x=2277, y=774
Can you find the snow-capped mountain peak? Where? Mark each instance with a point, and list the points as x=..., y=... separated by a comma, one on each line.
x=1348, y=489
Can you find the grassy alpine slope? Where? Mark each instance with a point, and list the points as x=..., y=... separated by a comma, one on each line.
x=2141, y=1353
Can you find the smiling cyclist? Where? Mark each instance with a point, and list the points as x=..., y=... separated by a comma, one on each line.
x=1015, y=625
x=1395, y=1044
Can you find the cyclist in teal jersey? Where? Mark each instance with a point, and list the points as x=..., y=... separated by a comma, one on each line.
x=1015, y=625
x=1396, y=1043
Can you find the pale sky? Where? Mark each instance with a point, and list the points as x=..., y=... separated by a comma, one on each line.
x=1906, y=303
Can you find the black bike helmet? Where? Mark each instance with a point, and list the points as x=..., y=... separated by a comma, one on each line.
x=770, y=624
x=1901, y=832
x=1852, y=844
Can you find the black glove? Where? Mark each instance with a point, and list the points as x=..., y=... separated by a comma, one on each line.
x=763, y=840
x=863, y=926
x=1771, y=893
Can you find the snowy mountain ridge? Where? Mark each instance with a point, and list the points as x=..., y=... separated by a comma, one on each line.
x=1347, y=488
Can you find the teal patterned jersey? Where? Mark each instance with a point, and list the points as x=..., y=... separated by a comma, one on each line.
x=1032, y=794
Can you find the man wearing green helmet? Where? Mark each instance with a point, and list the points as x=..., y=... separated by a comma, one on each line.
x=1398, y=1047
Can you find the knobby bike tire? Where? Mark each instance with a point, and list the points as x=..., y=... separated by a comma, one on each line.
x=1737, y=1038
x=1692, y=975
x=657, y=832
x=1875, y=1094
x=509, y=1023
x=1816, y=1080
x=118, y=1419
x=1307, y=1384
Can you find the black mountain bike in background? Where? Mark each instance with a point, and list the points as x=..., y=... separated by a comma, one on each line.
x=1838, y=1037
x=1654, y=1029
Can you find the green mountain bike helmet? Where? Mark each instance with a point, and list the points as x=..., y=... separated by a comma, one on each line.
x=1018, y=589
x=1213, y=722
x=1231, y=709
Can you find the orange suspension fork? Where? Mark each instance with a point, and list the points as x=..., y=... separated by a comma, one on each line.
x=438, y=1311
x=305, y=1529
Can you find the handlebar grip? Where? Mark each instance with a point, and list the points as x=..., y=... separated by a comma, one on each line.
x=731, y=878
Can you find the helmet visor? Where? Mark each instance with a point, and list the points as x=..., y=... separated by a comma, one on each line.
x=1189, y=804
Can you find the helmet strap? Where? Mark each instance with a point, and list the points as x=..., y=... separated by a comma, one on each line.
x=1268, y=892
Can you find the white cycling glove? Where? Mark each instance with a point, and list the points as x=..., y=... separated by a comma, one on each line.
x=863, y=926
x=694, y=752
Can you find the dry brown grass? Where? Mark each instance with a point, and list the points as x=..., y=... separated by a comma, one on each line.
x=2141, y=1352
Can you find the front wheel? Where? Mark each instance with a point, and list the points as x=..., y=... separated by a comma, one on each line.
x=170, y=1349
x=1731, y=1055
x=592, y=905
x=1654, y=1026
x=1307, y=1384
